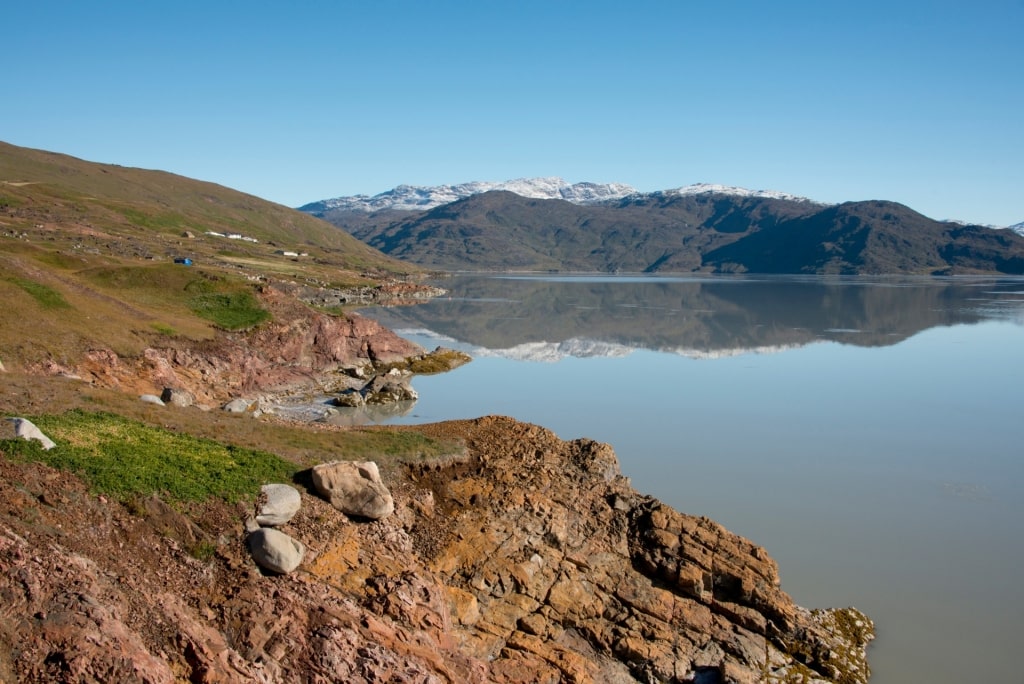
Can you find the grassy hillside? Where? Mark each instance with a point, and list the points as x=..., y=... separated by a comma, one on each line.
x=88, y=256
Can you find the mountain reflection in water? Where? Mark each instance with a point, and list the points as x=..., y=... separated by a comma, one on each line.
x=544, y=318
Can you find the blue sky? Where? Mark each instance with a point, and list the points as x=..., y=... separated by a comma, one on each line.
x=917, y=102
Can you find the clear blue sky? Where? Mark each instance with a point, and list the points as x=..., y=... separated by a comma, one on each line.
x=920, y=102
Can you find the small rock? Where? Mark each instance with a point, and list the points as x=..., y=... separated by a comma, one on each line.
x=275, y=551
x=350, y=398
x=177, y=397
x=278, y=504
x=26, y=429
x=354, y=488
x=152, y=399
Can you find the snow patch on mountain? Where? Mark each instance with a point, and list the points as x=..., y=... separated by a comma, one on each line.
x=422, y=198
x=1017, y=228
x=733, y=191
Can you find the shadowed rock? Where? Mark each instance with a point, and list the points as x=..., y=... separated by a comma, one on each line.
x=275, y=551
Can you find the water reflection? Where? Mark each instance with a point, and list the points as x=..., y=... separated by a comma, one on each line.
x=877, y=459
x=549, y=318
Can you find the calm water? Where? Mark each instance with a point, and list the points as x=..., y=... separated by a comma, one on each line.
x=868, y=433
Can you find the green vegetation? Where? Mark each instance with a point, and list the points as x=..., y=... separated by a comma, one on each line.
x=45, y=296
x=124, y=459
x=225, y=307
x=168, y=279
x=168, y=221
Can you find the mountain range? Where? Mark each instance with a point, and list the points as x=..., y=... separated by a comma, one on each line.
x=421, y=198
x=549, y=225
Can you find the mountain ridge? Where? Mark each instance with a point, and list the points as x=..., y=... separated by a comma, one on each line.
x=707, y=229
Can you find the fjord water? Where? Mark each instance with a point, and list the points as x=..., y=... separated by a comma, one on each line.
x=867, y=432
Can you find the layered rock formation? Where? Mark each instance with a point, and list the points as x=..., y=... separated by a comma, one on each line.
x=526, y=559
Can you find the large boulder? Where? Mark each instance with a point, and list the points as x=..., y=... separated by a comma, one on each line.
x=177, y=397
x=354, y=488
x=26, y=429
x=389, y=387
x=275, y=551
x=277, y=504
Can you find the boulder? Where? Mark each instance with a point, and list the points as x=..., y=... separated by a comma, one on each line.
x=177, y=397
x=354, y=488
x=236, y=406
x=26, y=429
x=387, y=388
x=152, y=399
x=275, y=551
x=277, y=504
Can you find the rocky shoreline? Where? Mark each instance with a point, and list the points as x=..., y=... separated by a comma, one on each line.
x=523, y=558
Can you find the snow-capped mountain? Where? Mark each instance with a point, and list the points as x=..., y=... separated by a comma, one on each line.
x=1017, y=228
x=420, y=198
x=715, y=189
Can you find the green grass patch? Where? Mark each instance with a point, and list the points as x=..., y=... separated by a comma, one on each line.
x=162, y=221
x=124, y=459
x=228, y=304
x=167, y=278
x=45, y=296
x=165, y=329
x=7, y=201
x=229, y=310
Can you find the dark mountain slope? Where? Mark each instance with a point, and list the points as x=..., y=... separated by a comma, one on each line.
x=667, y=232
x=503, y=231
x=871, y=237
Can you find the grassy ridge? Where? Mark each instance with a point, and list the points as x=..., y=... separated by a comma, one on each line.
x=126, y=458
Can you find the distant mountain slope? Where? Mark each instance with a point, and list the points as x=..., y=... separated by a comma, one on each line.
x=1017, y=228
x=714, y=229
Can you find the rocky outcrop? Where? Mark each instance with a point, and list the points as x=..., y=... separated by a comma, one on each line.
x=384, y=388
x=391, y=292
x=557, y=567
x=299, y=348
x=524, y=559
